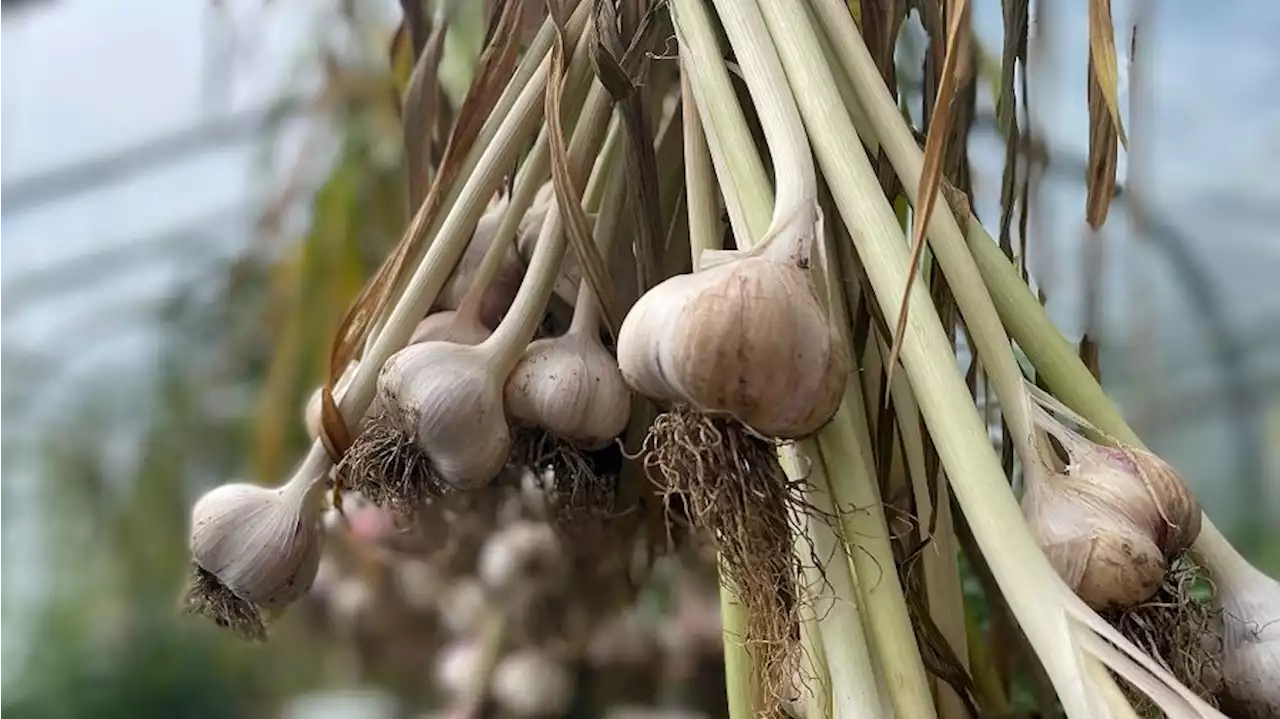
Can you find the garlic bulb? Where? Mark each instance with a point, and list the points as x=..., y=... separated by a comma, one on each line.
x=620, y=263
x=311, y=414
x=458, y=669
x=1111, y=518
x=570, y=385
x=419, y=583
x=261, y=545
x=449, y=399
x=747, y=338
x=500, y=291
x=463, y=605
x=450, y=326
x=520, y=552
x=1251, y=639
x=532, y=683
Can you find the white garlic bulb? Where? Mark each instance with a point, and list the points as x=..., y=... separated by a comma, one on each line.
x=420, y=584
x=747, y=338
x=449, y=400
x=519, y=552
x=499, y=293
x=532, y=683
x=463, y=605
x=1251, y=639
x=311, y=414
x=570, y=386
x=262, y=544
x=458, y=669
x=1110, y=519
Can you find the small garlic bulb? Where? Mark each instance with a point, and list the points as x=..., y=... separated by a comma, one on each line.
x=311, y=414
x=520, y=552
x=570, y=386
x=420, y=584
x=458, y=669
x=747, y=337
x=1251, y=639
x=498, y=294
x=532, y=683
x=450, y=326
x=463, y=605
x=1111, y=518
x=447, y=398
x=262, y=544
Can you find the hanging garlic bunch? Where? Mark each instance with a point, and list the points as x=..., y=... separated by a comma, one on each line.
x=256, y=548
x=442, y=403
x=570, y=385
x=1110, y=518
x=746, y=338
x=1250, y=602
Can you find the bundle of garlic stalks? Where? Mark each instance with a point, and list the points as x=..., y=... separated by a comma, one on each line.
x=653, y=295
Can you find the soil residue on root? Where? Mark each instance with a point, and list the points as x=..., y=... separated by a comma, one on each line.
x=387, y=468
x=733, y=488
x=207, y=596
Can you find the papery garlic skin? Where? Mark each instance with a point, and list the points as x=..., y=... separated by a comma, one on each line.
x=531, y=683
x=450, y=326
x=747, y=338
x=1111, y=518
x=445, y=397
x=571, y=387
x=1251, y=641
x=1106, y=561
x=262, y=544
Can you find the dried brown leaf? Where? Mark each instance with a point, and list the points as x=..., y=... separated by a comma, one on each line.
x=1103, y=154
x=421, y=104
x=958, y=49
x=1102, y=53
x=568, y=197
x=1016, y=16
x=621, y=68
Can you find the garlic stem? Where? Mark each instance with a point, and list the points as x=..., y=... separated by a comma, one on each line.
x=748, y=195
x=516, y=329
x=1056, y=621
x=845, y=444
x=699, y=174
x=791, y=229
x=526, y=74
x=532, y=175
x=945, y=236
x=608, y=211
x=855, y=691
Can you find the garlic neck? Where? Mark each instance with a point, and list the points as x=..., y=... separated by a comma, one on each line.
x=308, y=482
x=516, y=330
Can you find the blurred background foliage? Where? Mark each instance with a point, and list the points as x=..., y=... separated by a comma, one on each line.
x=101, y=526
